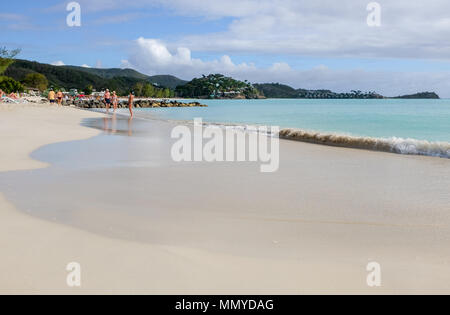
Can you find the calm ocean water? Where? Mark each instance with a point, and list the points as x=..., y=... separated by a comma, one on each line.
x=396, y=120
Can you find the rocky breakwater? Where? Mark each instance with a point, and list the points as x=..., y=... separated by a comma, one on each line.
x=137, y=104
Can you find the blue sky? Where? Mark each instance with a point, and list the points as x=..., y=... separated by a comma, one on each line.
x=311, y=44
x=43, y=34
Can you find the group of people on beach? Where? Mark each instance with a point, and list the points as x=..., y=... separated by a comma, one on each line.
x=55, y=97
x=108, y=98
x=11, y=95
x=114, y=100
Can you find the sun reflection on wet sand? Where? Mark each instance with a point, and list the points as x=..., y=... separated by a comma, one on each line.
x=113, y=125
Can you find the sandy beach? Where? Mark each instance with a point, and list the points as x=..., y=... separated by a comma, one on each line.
x=77, y=186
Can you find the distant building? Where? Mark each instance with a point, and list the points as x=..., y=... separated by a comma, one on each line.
x=33, y=91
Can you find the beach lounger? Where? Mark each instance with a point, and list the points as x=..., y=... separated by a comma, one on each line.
x=10, y=100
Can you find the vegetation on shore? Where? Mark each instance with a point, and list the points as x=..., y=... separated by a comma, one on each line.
x=276, y=90
x=7, y=58
x=8, y=84
x=68, y=77
x=16, y=75
x=36, y=80
x=423, y=95
x=165, y=81
x=217, y=86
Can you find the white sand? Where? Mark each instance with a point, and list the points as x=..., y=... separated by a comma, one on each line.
x=335, y=252
x=35, y=253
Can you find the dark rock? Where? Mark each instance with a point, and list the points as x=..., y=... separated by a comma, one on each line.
x=137, y=104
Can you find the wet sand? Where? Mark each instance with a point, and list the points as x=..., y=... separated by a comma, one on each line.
x=120, y=206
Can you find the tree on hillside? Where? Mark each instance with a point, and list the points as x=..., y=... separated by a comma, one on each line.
x=138, y=88
x=10, y=85
x=148, y=90
x=88, y=90
x=36, y=80
x=73, y=78
x=7, y=58
x=216, y=85
x=167, y=93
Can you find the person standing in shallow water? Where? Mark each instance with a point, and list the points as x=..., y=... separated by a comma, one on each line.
x=130, y=103
x=115, y=100
x=107, y=99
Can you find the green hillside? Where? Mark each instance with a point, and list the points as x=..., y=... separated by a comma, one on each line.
x=212, y=86
x=111, y=73
x=69, y=77
x=217, y=86
x=168, y=81
x=423, y=95
x=276, y=90
x=57, y=76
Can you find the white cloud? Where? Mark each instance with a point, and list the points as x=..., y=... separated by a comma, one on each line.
x=117, y=19
x=12, y=16
x=332, y=28
x=86, y=66
x=321, y=29
x=410, y=29
x=58, y=63
x=16, y=22
x=152, y=56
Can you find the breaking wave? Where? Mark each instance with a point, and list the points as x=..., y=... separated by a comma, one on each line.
x=394, y=145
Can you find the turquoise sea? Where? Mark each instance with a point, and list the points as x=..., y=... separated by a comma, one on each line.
x=403, y=122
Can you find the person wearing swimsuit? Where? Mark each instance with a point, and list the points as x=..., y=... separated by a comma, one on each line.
x=107, y=99
x=51, y=96
x=115, y=100
x=130, y=103
x=59, y=96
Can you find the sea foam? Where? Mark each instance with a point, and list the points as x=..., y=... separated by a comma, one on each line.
x=394, y=144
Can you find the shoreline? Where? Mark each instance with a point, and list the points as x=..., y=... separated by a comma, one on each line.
x=37, y=251
x=393, y=145
x=299, y=253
